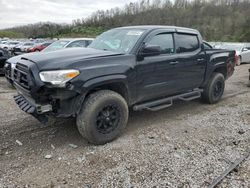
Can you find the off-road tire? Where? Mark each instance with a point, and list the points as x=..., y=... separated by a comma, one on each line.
x=211, y=93
x=94, y=104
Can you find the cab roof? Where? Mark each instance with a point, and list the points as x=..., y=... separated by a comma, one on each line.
x=170, y=28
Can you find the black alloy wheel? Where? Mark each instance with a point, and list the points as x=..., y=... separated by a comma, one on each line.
x=108, y=119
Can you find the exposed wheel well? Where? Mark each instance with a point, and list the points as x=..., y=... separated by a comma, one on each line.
x=116, y=87
x=222, y=70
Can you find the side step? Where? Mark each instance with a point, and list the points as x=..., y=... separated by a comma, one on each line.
x=167, y=102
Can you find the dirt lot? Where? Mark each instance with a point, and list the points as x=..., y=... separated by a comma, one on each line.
x=187, y=145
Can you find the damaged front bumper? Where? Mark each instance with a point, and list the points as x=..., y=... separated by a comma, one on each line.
x=38, y=111
x=42, y=100
x=58, y=104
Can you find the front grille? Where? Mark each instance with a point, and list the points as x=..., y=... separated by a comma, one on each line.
x=21, y=73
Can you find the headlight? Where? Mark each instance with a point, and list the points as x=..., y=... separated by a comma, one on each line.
x=58, y=77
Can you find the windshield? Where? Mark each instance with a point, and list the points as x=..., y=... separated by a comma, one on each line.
x=117, y=40
x=236, y=47
x=56, y=46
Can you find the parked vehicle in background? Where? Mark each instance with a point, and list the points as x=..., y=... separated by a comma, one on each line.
x=10, y=45
x=216, y=45
x=22, y=48
x=141, y=67
x=68, y=43
x=2, y=43
x=60, y=44
x=39, y=47
x=242, y=51
x=4, y=55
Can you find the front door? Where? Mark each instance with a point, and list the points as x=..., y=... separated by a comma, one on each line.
x=156, y=75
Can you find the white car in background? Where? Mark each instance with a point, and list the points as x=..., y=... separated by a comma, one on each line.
x=22, y=47
x=2, y=43
x=242, y=51
x=10, y=45
x=68, y=43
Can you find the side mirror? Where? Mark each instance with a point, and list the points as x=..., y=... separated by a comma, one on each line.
x=151, y=50
x=202, y=47
x=244, y=49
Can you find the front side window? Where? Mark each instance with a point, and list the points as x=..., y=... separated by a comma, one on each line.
x=165, y=41
x=186, y=43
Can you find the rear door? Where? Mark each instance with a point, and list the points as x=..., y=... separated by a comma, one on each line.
x=191, y=59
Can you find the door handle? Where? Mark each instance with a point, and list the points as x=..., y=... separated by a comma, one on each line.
x=174, y=62
x=200, y=59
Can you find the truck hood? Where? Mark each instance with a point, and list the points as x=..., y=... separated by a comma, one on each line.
x=65, y=57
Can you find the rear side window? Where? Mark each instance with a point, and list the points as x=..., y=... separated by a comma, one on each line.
x=186, y=43
x=165, y=41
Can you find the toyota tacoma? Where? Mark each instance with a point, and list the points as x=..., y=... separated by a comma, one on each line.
x=128, y=68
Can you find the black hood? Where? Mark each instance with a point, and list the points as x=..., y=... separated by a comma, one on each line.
x=65, y=57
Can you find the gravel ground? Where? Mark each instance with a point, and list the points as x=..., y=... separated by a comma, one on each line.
x=187, y=145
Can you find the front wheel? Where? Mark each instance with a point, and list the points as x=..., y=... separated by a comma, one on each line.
x=103, y=117
x=214, y=89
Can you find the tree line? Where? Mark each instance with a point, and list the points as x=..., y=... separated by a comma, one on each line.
x=217, y=20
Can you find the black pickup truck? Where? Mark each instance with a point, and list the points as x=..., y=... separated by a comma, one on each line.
x=136, y=68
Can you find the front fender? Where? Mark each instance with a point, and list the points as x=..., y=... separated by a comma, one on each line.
x=98, y=82
x=103, y=80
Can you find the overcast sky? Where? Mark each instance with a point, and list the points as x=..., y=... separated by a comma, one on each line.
x=21, y=12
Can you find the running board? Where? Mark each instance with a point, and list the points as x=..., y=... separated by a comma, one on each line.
x=167, y=102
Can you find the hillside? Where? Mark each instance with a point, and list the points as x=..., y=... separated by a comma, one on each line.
x=217, y=20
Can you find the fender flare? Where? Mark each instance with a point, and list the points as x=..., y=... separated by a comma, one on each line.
x=95, y=82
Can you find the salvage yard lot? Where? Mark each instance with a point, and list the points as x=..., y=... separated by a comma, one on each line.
x=186, y=145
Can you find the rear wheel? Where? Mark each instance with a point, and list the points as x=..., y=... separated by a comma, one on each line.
x=103, y=117
x=214, y=89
